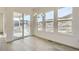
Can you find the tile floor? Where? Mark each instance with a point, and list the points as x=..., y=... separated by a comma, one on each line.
x=34, y=44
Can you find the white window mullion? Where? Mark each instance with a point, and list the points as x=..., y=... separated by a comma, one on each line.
x=43, y=22
x=55, y=20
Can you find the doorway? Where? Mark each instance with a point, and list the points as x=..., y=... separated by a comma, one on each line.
x=21, y=25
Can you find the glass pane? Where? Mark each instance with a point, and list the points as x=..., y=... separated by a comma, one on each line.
x=26, y=25
x=17, y=26
x=65, y=26
x=39, y=22
x=65, y=11
x=49, y=15
x=49, y=21
x=39, y=25
x=65, y=20
x=49, y=26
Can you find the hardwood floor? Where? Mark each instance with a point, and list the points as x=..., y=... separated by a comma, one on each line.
x=34, y=44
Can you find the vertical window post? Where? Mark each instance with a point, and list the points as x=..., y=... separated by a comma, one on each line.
x=23, y=26
x=43, y=22
x=55, y=20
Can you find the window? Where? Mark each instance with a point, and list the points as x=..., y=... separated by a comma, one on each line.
x=62, y=22
x=26, y=24
x=40, y=22
x=49, y=21
x=65, y=20
x=21, y=25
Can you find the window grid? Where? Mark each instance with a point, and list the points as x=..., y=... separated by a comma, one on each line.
x=62, y=24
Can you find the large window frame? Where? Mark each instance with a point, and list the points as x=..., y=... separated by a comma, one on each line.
x=49, y=20
x=58, y=23
x=65, y=22
x=40, y=22
x=21, y=25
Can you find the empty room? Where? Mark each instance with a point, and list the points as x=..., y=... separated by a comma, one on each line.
x=39, y=28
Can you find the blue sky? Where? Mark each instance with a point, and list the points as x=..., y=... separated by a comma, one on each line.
x=64, y=11
x=50, y=15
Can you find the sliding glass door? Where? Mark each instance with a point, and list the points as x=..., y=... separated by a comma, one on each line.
x=17, y=25
x=21, y=25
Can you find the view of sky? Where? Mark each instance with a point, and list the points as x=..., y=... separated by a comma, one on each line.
x=50, y=15
x=64, y=11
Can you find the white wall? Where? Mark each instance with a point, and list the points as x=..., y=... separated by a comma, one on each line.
x=1, y=22
x=2, y=19
x=71, y=40
x=8, y=24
